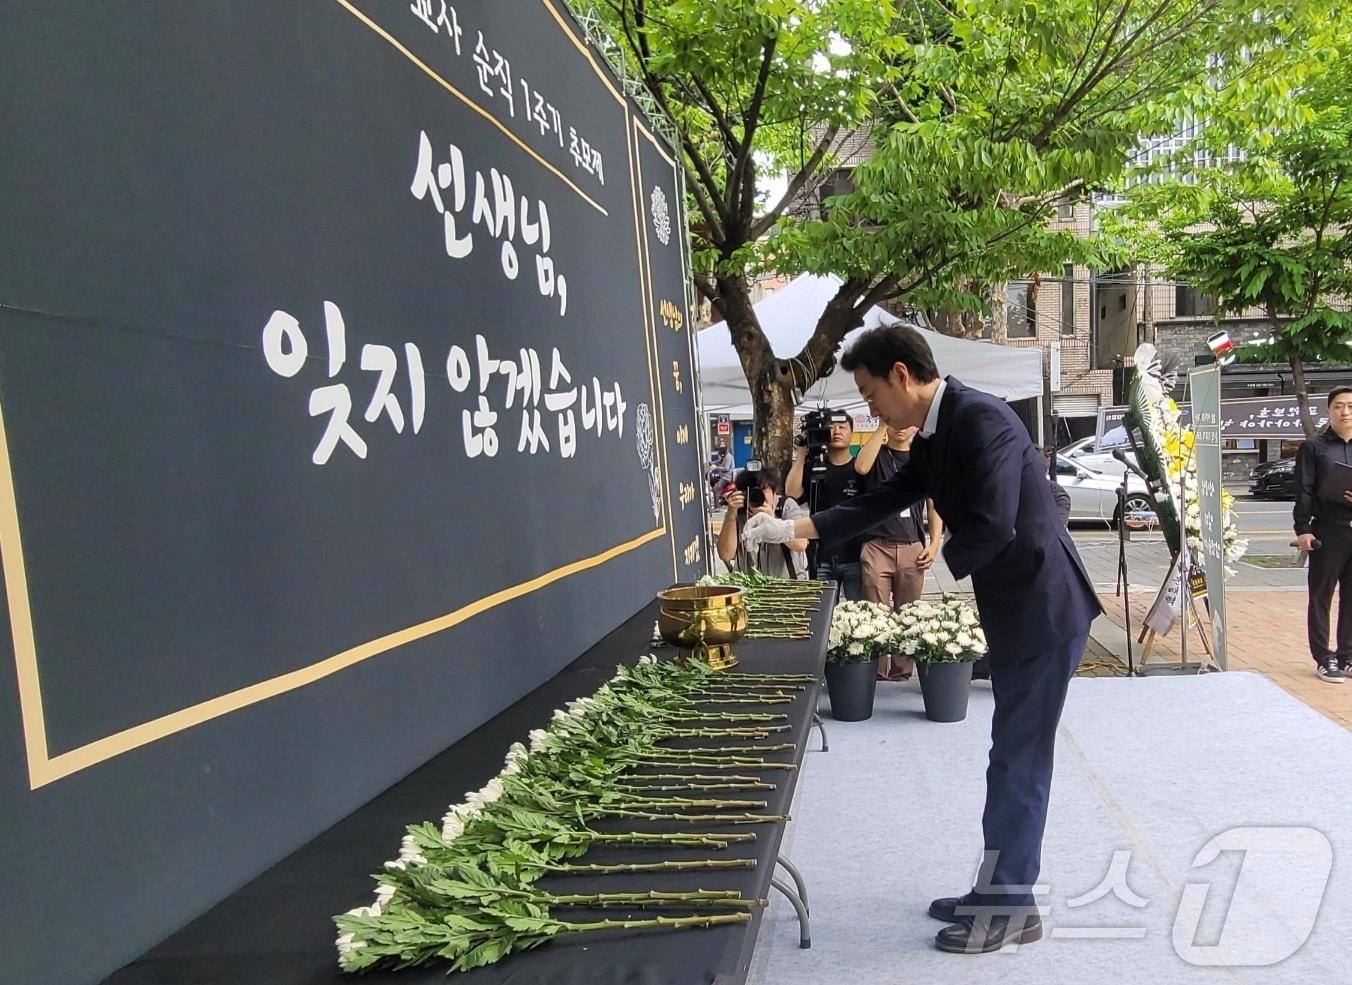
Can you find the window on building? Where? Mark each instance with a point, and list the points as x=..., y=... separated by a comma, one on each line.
x=1065, y=210
x=1068, y=299
x=1192, y=303
x=1020, y=316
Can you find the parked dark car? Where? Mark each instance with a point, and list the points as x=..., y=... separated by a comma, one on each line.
x=1274, y=480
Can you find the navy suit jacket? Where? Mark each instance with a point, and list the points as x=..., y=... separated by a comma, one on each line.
x=990, y=486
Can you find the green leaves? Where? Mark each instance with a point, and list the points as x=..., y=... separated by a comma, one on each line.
x=469, y=893
x=1262, y=223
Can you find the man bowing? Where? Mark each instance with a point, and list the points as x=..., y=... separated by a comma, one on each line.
x=974, y=459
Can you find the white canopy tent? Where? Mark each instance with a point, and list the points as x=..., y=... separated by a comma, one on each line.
x=788, y=318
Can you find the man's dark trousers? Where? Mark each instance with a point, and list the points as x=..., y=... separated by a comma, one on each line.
x=1030, y=690
x=1330, y=568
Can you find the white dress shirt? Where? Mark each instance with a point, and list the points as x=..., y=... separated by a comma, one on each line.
x=932, y=418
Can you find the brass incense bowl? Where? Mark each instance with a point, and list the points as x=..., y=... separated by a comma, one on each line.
x=703, y=621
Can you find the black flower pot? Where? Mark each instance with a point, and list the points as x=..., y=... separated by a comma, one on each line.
x=945, y=688
x=851, y=688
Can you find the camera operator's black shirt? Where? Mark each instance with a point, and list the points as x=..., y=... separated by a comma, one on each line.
x=837, y=484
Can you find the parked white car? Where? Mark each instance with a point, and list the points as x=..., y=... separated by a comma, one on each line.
x=1082, y=453
x=1093, y=495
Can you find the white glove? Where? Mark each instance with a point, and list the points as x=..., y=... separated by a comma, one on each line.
x=766, y=529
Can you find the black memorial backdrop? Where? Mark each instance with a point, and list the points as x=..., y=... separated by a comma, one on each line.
x=664, y=248
x=299, y=480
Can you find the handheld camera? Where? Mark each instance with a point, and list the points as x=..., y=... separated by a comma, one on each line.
x=748, y=483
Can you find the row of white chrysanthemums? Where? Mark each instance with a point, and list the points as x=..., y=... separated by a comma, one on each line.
x=946, y=630
x=459, y=815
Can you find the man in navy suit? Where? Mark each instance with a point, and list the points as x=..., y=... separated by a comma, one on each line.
x=974, y=459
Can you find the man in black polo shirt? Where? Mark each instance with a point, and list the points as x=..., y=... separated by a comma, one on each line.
x=839, y=483
x=896, y=553
x=1323, y=513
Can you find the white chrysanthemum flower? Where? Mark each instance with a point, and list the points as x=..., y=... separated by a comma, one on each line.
x=409, y=851
x=466, y=812
x=491, y=791
x=384, y=893
x=451, y=828
x=347, y=943
x=953, y=648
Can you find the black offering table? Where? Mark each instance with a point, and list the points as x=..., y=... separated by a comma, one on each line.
x=278, y=930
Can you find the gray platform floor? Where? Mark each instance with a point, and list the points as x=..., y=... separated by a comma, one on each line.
x=1149, y=772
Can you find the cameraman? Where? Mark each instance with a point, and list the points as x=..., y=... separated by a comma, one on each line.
x=755, y=491
x=836, y=484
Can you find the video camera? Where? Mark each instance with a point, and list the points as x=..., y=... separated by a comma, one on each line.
x=815, y=436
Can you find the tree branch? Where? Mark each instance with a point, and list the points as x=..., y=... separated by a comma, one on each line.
x=702, y=184
x=763, y=224
x=744, y=168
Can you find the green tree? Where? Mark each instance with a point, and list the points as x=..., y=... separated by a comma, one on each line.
x=1260, y=218
x=983, y=114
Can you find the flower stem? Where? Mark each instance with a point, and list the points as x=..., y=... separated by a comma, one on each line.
x=672, y=923
x=670, y=865
x=711, y=897
x=691, y=837
x=685, y=802
x=640, y=787
x=711, y=818
x=749, y=781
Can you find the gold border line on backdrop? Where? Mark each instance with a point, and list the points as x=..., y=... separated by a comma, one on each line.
x=44, y=768
x=650, y=327
x=399, y=47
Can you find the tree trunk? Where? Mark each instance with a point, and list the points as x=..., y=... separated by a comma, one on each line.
x=1297, y=372
x=772, y=426
x=956, y=323
x=771, y=389
x=1148, y=304
x=1302, y=396
x=998, y=299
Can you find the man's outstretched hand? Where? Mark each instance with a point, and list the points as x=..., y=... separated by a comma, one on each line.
x=766, y=529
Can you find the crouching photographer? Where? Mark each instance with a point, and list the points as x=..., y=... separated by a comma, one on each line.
x=755, y=492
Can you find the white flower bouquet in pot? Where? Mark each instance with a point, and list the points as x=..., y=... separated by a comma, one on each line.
x=947, y=631
x=945, y=639
x=861, y=632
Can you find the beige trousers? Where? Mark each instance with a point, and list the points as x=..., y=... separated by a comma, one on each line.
x=889, y=574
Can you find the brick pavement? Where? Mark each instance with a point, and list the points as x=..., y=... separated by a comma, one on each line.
x=1267, y=636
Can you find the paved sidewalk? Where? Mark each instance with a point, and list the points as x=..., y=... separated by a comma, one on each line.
x=1267, y=636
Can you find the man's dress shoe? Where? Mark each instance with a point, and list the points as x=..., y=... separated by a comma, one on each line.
x=983, y=933
x=945, y=908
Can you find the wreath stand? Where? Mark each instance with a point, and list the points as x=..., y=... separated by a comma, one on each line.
x=1193, y=587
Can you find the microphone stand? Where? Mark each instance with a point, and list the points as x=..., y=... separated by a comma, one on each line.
x=1131, y=469
x=1123, y=586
